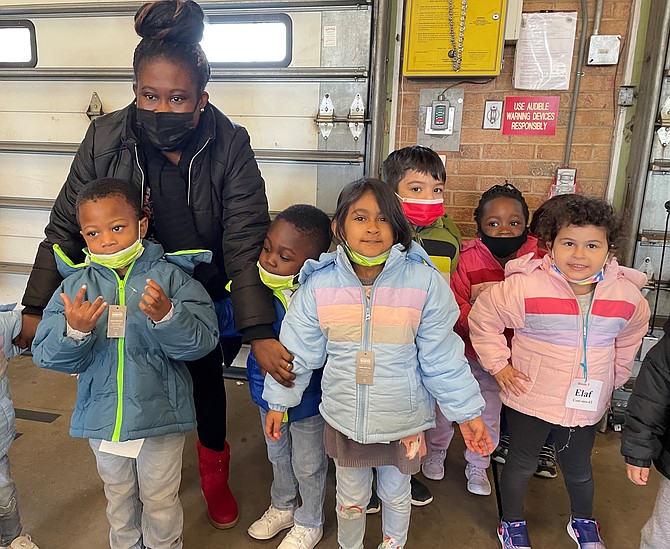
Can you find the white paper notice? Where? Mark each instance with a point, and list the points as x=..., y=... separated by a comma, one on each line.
x=330, y=36
x=129, y=449
x=543, y=58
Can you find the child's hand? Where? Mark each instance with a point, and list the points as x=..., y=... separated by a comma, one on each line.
x=274, y=359
x=28, y=328
x=155, y=304
x=82, y=315
x=508, y=379
x=476, y=437
x=637, y=475
x=273, y=422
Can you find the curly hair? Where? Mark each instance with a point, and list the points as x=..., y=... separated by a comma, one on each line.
x=388, y=204
x=108, y=187
x=310, y=222
x=580, y=210
x=172, y=30
x=417, y=158
x=500, y=191
x=545, y=207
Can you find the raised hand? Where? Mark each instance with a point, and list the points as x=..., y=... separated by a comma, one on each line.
x=83, y=315
x=155, y=304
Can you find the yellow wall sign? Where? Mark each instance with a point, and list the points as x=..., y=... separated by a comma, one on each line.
x=454, y=37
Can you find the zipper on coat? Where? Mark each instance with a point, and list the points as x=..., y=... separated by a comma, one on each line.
x=120, y=364
x=190, y=169
x=139, y=167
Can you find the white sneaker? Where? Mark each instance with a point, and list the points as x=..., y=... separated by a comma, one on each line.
x=271, y=523
x=300, y=537
x=478, y=480
x=22, y=542
x=433, y=466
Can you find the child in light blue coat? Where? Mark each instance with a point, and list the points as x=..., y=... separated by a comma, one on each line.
x=10, y=521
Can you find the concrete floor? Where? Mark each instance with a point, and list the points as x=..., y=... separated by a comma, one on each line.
x=63, y=506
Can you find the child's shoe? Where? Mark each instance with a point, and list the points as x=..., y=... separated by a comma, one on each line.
x=478, y=480
x=585, y=533
x=420, y=493
x=500, y=453
x=546, y=464
x=389, y=543
x=301, y=537
x=271, y=523
x=514, y=535
x=433, y=466
x=374, y=505
x=23, y=542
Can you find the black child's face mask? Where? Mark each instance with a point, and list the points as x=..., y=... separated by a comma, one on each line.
x=167, y=131
x=504, y=247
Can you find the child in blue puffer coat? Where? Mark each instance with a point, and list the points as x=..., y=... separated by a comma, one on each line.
x=299, y=463
x=125, y=321
x=380, y=316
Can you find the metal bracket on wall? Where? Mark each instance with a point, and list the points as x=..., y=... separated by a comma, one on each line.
x=94, y=107
x=356, y=117
x=326, y=116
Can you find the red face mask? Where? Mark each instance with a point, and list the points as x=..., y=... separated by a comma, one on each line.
x=422, y=212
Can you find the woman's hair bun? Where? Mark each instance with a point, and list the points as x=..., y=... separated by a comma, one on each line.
x=171, y=21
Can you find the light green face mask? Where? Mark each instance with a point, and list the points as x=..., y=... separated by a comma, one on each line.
x=365, y=261
x=120, y=259
x=277, y=282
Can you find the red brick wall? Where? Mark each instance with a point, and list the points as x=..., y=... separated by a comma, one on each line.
x=487, y=157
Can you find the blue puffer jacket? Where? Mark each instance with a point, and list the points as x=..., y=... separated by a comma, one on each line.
x=311, y=398
x=137, y=386
x=408, y=325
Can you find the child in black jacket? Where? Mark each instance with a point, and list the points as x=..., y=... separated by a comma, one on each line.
x=646, y=437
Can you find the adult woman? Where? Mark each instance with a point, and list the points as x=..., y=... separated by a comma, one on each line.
x=201, y=188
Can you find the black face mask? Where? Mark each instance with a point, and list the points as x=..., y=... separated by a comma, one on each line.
x=167, y=131
x=504, y=247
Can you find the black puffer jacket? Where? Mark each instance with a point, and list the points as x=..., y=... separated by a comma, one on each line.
x=646, y=435
x=227, y=198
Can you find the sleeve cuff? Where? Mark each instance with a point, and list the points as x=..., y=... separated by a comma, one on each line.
x=76, y=334
x=32, y=310
x=262, y=331
x=637, y=462
x=277, y=408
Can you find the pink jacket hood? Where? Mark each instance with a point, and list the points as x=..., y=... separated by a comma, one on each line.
x=550, y=332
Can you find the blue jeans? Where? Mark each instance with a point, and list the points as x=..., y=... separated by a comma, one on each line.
x=10, y=522
x=299, y=465
x=143, y=506
x=354, y=488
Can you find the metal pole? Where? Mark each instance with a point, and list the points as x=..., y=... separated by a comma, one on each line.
x=378, y=76
x=578, y=80
x=651, y=80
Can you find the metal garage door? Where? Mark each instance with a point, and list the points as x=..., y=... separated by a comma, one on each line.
x=86, y=47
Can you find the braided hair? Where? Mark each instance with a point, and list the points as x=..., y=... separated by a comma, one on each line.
x=500, y=191
x=172, y=30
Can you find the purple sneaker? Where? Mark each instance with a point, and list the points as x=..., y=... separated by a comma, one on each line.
x=513, y=535
x=585, y=533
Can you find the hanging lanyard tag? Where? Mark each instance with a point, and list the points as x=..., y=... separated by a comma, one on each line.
x=584, y=394
x=116, y=321
x=365, y=367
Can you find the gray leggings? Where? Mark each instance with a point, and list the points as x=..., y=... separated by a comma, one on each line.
x=573, y=445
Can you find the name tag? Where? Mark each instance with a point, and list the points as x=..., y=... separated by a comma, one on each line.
x=584, y=394
x=129, y=448
x=116, y=321
x=365, y=367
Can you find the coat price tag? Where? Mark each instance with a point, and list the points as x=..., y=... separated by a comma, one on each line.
x=116, y=321
x=365, y=367
x=584, y=394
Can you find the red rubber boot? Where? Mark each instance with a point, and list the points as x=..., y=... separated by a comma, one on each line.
x=221, y=504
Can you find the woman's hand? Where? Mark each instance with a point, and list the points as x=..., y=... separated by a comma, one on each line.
x=637, y=475
x=476, y=437
x=273, y=422
x=509, y=379
x=155, y=304
x=83, y=315
x=274, y=359
x=28, y=328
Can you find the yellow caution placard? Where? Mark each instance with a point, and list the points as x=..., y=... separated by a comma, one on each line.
x=454, y=37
